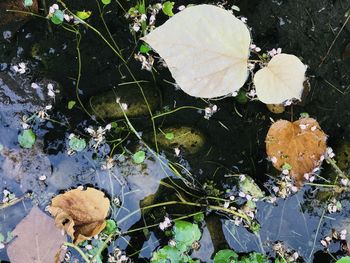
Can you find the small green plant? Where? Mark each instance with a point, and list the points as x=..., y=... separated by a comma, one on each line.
x=229, y=256
x=139, y=157
x=27, y=139
x=76, y=144
x=185, y=236
x=344, y=260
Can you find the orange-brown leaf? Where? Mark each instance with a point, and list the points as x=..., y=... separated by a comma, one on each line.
x=81, y=213
x=300, y=144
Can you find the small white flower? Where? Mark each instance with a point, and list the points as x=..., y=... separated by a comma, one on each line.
x=48, y=107
x=241, y=194
x=252, y=93
x=143, y=18
x=42, y=177
x=35, y=85
x=51, y=91
x=172, y=243
x=108, y=127
x=71, y=136
x=177, y=151
x=276, y=189
x=136, y=27
x=244, y=19
x=294, y=189
x=7, y=34
x=226, y=204
x=232, y=197
x=274, y=159
x=285, y=171
x=324, y=243
x=20, y=68
x=257, y=49
x=344, y=181
x=88, y=247
x=124, y=106
x=242, y=177
x=303, y=126
x=181, y=7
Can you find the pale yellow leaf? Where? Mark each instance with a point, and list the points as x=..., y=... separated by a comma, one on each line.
x=206, y=49
x=282, y=79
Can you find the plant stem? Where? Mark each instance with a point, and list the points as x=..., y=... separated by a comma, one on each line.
x=175, y=110
x=82, y=254
x=333, y=163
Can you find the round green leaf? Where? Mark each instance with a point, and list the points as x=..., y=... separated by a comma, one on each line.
x=106, y=2
x=27, y=139
x=167, y=253
x=71, y=104
x=83, y=14
x=169, y=136
x=139, y=157
x=111, y=227
x=185, y=233
x=57, y=17
x=225, y=256
x=144, y=49
x=344, y=260
x=77, y=144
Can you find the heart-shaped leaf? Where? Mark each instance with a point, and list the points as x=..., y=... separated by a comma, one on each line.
x=37, y=239
x=206, y=49
x=298, y=145
x=282, y=79
x=81, y=213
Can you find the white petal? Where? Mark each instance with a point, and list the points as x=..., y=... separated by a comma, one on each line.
x=206, y=49
x=282, y=79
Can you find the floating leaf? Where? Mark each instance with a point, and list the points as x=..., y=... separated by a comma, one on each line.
x=81, y=213
x=248, y=186
x=83, y=14
x=299, y=145
x=111, y=227
x=38, y=239
x=344, y=260
x=144, y=49
x=282, y=79
x=106, y=2
x=27, y=139
x=185, y=233
x=168, y=8
x=77, y=144
x=139, y=157
x=254, y=258
x=71, y=104
x=169, y=136
x=167, y=253
x=57, y=17
x=208, y=58
x=225, y=256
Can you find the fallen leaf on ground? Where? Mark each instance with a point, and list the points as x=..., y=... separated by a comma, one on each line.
x=300, y=145
x=282, y=79
x=206, y=49
x=37, y=240
x=81, y=213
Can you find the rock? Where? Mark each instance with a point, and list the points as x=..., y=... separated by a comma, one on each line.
x=186, y=139
x=11, y=22
x=276, y=108
x=104, y=106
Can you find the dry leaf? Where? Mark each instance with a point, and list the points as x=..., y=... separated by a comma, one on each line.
x=282, y=79
x=81, y=213
x=38, y=240
x=206, y=49
x=299, y=144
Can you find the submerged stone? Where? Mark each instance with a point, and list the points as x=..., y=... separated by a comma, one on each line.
x=105, y=105
x=186, y=139
x=276, y=108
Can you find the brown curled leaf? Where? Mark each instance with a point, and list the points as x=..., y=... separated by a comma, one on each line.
x=81, y=213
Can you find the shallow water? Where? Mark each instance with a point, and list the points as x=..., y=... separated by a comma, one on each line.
x=235, y=142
